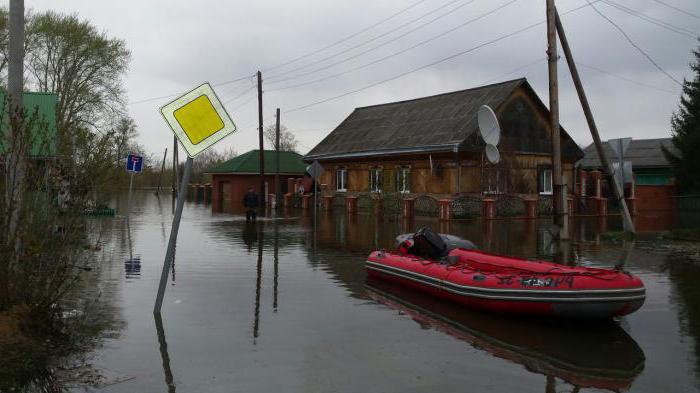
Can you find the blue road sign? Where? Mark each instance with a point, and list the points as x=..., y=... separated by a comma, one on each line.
x=134, y=163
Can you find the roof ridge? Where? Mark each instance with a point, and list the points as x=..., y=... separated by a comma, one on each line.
x=445, y=94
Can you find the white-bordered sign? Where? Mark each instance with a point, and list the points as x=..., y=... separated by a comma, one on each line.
x=198, y=119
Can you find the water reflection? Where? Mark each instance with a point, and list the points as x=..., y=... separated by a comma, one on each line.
x=601, y=356
x=276, y=259
x=164, y=355
x=258, y=283
x=132, y=265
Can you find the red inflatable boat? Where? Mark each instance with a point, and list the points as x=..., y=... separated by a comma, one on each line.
x=512, y=285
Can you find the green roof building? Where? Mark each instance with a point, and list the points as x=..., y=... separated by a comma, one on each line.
x=249, y=163
x=231, y=179
x=43, y=132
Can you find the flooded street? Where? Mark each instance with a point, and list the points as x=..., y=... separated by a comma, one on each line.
x=279, y=306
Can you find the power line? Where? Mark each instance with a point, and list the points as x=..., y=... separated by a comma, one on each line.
x=668, y=26
x=274, y=77
x=627, y=37
x=346, y=38
x=240, y=94
x=180, y=93
x=513, y=71
x=400, y=51
x=516, y=32
x=602, y=71
x=677, y=9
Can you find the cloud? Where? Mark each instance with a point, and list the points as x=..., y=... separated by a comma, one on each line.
x=178, y=44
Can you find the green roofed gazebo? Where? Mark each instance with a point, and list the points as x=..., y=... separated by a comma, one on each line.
x=231, y=179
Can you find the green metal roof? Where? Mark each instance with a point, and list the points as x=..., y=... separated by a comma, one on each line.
x=44, y=141
x=290, y=162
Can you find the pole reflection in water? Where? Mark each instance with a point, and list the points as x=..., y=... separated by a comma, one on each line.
x=276, y=268
x=584, y=355
x=258, y=283
x=132, y=266
x=165, y=357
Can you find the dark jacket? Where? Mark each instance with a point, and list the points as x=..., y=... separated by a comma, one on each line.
x=251, y=200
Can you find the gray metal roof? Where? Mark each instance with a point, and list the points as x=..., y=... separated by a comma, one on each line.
x=643, y=153
x=430, y=124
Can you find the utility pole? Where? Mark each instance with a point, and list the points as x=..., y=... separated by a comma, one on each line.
x=278, y=190
x=561, y=217
x=260, y=136
x=627, y=222
x=162, y=170
x=15, y=143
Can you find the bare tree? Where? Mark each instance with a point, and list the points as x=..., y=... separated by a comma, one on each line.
x=287, y=140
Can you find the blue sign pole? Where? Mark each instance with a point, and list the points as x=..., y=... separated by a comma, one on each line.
x=134, y=164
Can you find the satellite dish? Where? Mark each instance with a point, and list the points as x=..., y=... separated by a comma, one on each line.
x=488, y=126
x=492, y=154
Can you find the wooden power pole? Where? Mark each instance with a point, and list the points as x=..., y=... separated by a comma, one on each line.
x=260, y=136
x=605, y=163
x=15, y=144
x=278, y=189
x=561, y=217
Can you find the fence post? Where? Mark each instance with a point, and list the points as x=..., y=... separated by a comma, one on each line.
x=327, y=202
x=445, y=212
x=407, y=207
x=489, y=208
x=351, y=204
x=530, y=207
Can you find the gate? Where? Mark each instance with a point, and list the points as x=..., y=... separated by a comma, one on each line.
x=510, y=206
x=426, y=206
x=466, y=207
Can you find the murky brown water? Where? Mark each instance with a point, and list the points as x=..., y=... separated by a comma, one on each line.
x=279, y=306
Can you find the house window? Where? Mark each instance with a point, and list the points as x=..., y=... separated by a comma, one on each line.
x=341, y=180
x=375, y=180
x=492, y=181
x=545, y=181
x=403, y=180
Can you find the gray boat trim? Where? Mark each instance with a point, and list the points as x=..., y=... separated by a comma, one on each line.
x=601, y=295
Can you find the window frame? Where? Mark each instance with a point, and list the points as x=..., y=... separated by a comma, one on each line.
x=544, y=172
x=341, y=176
x=490, y=182
x=375, y=179
x=403, y=179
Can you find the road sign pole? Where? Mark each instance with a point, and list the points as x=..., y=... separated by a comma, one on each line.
x=173, y=236
x=128, y=198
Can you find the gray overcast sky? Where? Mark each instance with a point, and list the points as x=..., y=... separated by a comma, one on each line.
x=178, y=44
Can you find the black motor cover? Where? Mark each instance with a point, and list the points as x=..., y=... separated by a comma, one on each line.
x=428, y=244
x=451, y=241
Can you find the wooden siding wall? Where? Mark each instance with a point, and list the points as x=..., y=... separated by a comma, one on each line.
x=443, y=180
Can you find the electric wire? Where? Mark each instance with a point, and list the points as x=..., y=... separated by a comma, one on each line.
x=630, y=80
x=677, y=9
x=442, y=60
x=273, y=78
x=400, y=51
x=346, y=38
x=240, y=94
x=219, y=84
x=676, y=29
x=639, y=49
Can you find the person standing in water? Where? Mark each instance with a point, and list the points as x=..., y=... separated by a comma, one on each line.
x=251, y=203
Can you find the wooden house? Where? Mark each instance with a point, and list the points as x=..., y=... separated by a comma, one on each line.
x=431, y=146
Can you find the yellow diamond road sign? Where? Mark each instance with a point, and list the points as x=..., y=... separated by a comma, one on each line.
x=198, y=119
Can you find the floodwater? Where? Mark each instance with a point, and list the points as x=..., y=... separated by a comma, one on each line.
x=279, y=306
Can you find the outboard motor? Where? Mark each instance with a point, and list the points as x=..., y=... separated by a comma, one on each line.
x=441, y=244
